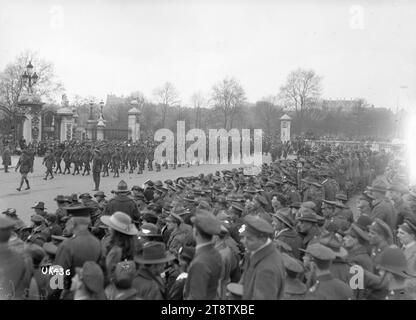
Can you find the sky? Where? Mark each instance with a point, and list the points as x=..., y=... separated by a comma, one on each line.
x=362, y=49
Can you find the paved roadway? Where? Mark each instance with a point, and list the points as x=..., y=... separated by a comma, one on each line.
x=46, y=191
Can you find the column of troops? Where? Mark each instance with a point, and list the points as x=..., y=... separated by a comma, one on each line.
x=290, y=232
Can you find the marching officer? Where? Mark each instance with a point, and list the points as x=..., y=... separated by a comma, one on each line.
x=97, y=166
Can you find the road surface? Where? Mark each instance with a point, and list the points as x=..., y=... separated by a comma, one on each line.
x=46, y=191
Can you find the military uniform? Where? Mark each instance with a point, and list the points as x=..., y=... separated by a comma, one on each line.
x=327, y=287
x=86, y=158
x=97, y=165
x=264, y=272
x=115, y=163
x=81, y=247
x=106, y=160
x=49, y=161
x=204, y=272
x=58, y=159
x=15, y=270
x=66, y=155
x=76, y=160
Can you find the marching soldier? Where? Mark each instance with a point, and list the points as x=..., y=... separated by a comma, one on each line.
x=7, y=160
x=76, y=159
x=25, y=164
x=106, y=157
x=86, y=158
x=66, y=155
x=48, y=161
x=58, y=158
x=115, y=163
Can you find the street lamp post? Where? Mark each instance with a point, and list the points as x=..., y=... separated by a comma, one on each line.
x=90, y=123
x=101, y=109
x=29, y=78
x=30, y=106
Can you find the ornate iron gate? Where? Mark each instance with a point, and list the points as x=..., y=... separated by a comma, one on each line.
x=116, y=134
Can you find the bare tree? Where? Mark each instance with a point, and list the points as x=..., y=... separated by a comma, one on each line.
x=12, y=86
x=167, y=96
x=228, y=96
x=139, y=97
x=198, y=101
x=302, y=88
x=267, y=112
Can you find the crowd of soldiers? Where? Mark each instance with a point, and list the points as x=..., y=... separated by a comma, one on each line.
x=285, y=233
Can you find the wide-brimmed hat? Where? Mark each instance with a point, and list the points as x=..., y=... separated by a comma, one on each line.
x=295, y=205
x=60, y=198
x=382, y=228
x=154, y=252
x=408, y=226
x=379, y=186
x=39, y=205
x=341, y=196
x=120, y=222
x=189, y=198
x=308, y=215
x=283, y=216
x=149, y=230
x=10, y=212
x=100, y=194
x=251, y=189
x=309, y=180
x=122, y=187
x=37, y=218
x=282, y=246
x=292, y=264
x=329, y=240
x=186, y=253
x=393, y=260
